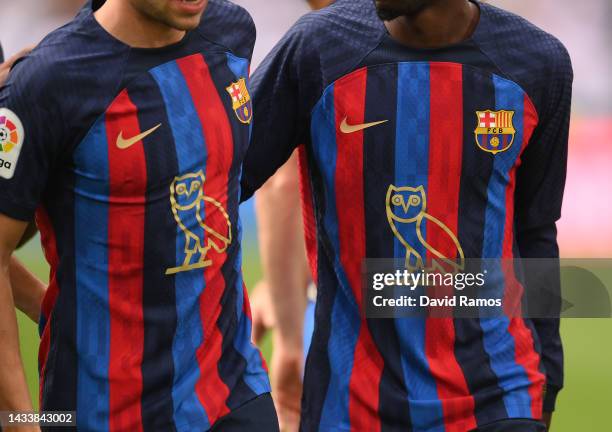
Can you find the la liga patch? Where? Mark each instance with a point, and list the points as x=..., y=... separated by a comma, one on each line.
x=11, y=140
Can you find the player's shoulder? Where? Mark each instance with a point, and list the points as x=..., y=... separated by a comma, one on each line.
x=68, y=56
x=352, y=22
x=515, y=36
x=524, y=53
x=230, y=26
x=43, y=68
x=337, y=37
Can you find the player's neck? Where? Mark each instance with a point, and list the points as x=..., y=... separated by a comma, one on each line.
x=133, y=28
x=442, y=23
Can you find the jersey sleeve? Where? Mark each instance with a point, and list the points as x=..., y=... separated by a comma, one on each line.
x=544, y=283
x=280, y=109
x=221, y=15
x=539, y=196
x=541, y=176
x=31, y=129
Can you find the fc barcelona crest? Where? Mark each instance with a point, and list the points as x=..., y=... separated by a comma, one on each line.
x=241, y=100
x=494, y=130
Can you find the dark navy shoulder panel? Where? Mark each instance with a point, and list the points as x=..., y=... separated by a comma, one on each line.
x=75, y=72
x=230, y=26
x=526, y=54
x=324, y=45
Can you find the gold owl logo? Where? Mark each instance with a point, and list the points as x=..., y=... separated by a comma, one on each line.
x=408, y=206
x=188, y=201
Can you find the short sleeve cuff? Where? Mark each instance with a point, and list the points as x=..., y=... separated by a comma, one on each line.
x=16, y=210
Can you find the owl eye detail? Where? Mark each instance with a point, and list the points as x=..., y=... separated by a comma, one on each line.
x=195, y=186
x=415, y=200
x=397, y=200
x=181, y=189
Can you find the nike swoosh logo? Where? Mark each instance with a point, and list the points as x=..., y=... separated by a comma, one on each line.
x=348, y=129
x=123, y=143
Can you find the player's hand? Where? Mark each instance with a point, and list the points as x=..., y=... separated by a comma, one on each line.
x=23, y=429
x=546, y=419
x=261, y=311
x=7, y=65
x=287, y=372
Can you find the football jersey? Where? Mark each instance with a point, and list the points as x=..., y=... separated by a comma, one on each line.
x=475, y=136
x=130, y=160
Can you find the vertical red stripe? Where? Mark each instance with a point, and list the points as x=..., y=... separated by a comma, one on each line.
x=49, y=246
x=126, y=219
x=445, y=156
x=211, y=389
x=525, y=353
x=350, y=97
x=308, y=217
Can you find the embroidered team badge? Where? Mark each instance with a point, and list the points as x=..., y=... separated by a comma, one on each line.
x=494, y=130
x=241, y=100
x=11, y=139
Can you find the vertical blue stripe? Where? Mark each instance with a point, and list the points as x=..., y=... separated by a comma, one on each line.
x=345, y=321
x=242, y=341
x=93, y=315
x=498, y=341
x=412, y=170
x=238, y=66
x=189, y=141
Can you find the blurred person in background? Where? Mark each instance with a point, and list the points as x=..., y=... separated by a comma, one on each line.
x=368, y=99
x=41, y=16
x=134, y=117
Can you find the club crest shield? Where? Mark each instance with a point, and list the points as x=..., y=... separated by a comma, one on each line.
x=494, y=130
x=241, y=100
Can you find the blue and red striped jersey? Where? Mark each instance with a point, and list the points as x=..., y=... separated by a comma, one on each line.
x=477, y=134
x=131, y=160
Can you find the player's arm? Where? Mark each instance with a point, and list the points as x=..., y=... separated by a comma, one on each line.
x=32, y=111
x=539, y=195
x=14, y=394
x=283, y=257
x=281, y=122
x=28, y=290
x=286, y=276
x=279, y=119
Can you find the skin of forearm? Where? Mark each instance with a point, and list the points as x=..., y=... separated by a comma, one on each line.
x=14, y=394
x=283, y=252
x=28, y=290
x=318, y=4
